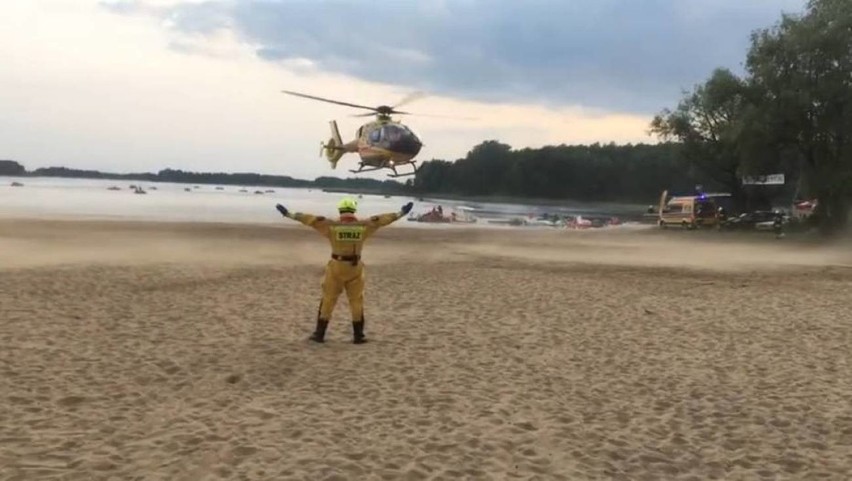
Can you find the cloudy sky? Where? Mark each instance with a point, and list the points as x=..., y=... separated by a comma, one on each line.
x=141, y=85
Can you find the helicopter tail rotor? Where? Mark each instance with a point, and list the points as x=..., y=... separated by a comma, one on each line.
x=333, y=150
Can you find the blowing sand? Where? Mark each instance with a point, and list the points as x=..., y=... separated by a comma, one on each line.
x=179, y=352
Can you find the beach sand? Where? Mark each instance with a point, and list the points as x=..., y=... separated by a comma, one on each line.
x=179, y=352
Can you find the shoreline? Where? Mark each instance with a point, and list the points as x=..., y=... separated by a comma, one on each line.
x=620, y=206
x=699, y=241
x=8, y=221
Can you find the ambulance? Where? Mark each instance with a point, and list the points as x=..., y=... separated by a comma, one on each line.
x=689, y=212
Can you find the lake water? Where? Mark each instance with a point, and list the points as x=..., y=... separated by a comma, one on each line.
x=62, y=198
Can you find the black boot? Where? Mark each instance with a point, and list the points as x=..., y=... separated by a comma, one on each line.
x=319, y=332
x=358, y=332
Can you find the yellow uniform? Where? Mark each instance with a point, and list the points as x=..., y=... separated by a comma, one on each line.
x=344, y=271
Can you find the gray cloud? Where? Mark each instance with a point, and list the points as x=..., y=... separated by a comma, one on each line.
x=632, y=56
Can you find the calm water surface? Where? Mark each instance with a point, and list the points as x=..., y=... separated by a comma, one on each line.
x=63, y=198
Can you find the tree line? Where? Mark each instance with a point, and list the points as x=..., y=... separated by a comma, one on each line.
x=12, y=168
x=630, y=173
x=791, y=113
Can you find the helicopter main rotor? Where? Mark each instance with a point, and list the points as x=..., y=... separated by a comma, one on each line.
x=383, y=111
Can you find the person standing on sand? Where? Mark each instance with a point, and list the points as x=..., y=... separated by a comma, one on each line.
x=345, y=269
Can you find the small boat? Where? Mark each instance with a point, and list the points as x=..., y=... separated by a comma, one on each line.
x=436, y=216
x=463, y=215
x=578, y=222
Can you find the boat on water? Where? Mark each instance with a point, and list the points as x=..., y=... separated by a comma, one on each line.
x=459, y=215
x=567, y=222
x=544, y=220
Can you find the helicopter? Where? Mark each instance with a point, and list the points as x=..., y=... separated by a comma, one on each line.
x=383, y=143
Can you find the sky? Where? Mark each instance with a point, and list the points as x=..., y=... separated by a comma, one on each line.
x=142, y=85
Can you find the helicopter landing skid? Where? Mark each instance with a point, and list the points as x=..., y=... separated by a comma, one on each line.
x=362, y=169
x=397, y=174
x=392, y=167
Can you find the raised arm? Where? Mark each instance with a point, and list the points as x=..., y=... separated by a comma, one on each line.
x=376, y=222
x=319, y=223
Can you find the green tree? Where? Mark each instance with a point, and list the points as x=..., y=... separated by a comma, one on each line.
x=580, y=172
x=709, y=122
x=481, y=172
x=10, y=167
x=803, y=68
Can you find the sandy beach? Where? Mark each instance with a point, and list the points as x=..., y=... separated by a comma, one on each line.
x=177, y=351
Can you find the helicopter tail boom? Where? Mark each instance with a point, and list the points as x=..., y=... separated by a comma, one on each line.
x=334, y=149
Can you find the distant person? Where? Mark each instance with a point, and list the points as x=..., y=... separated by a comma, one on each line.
x=344, y=271
x=778, y=225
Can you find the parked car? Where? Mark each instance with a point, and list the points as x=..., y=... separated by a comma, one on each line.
x=763, y=220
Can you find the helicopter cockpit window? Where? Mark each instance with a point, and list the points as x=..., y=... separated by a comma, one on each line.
x=392, y=133
x=375, y=135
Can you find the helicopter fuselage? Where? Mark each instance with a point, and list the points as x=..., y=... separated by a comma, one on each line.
x=387, y=141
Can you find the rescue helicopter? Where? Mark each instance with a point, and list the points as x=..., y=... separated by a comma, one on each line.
x=383, y=143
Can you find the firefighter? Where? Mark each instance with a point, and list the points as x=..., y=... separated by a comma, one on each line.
x=344, y=271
